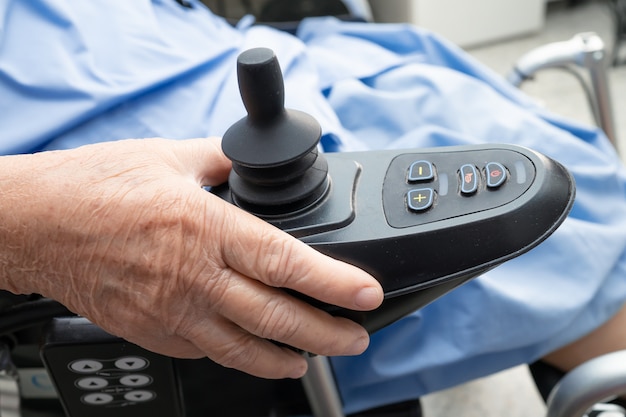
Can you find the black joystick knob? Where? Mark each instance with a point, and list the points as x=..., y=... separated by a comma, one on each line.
x=277, y=169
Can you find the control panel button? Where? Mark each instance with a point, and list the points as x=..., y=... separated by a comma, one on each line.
x=98, y=398
x=92, y=383
x=139, y=396
x=85, y=366
x=469, y=179
x=420, y=199
x=421, y=171
x=135, y=380
x=496, y=174
x=131, y=363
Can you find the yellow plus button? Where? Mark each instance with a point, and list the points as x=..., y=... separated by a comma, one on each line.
x=420, y=199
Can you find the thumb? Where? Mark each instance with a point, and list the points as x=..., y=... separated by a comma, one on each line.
x=204, y=160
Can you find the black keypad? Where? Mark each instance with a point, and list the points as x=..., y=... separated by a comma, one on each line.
x=113, y=382
x=422, y=188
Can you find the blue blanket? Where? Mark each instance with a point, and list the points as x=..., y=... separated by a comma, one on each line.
x=77, y=72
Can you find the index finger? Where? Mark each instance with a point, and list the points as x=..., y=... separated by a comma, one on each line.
x=263, y=252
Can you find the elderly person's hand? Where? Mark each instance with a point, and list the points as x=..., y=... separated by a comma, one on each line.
x=123, y=234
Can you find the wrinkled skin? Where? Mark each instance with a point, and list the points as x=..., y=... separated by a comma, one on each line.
x=123, y=234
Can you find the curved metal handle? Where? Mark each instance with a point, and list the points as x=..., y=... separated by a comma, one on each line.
x=594, y=381
x=576, y=51
x=585, y=51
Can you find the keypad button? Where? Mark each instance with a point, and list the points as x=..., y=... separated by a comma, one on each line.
x=421, y=171
x=420, y=199
x=496, y=174
x=97, y=398
x=139, y=396
x=469, y=179
x=92, y=383
x=131, y=363
x=135, y=380
x=86, y=366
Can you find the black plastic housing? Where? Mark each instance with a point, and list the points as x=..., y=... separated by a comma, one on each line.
x=458, y=238
x=69, y=348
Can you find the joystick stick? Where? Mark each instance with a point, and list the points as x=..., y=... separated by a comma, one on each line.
x=277, y=168
x=422, y=221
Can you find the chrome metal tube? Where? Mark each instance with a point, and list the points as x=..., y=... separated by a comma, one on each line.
x=9, y=385
x=585, y=50
x=321, y=389
x=592, y=382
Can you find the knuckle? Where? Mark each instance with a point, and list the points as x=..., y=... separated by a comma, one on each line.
x=279, y=321
x=240, y=354
x=216, y=289
x=278, y=261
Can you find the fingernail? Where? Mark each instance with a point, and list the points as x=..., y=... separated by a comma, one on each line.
x=360, y=345
x=368, y=298
x=298, y=372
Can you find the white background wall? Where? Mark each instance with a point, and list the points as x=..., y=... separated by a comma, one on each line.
x=466, y=23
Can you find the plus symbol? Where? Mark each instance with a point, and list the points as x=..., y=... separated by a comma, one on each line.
x=419, y=198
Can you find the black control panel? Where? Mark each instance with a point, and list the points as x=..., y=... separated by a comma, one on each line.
x=422, y=221
x=430, y=184
x=419, y=249
x=99, y=375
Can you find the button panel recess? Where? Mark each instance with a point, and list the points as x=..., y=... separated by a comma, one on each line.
x=100, y=375
x=113, y=382
x=422, y=188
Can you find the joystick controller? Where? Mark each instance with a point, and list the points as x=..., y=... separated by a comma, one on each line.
x=277, y=169
x=422, y=221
